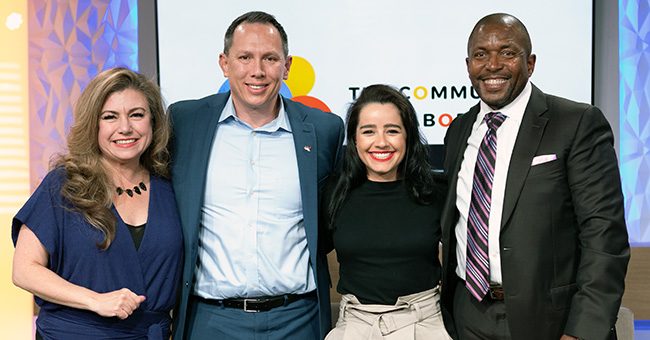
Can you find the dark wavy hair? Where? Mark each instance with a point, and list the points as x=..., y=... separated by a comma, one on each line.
x=414, y=169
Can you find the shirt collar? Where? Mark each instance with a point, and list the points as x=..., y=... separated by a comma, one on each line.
x=280, y=122
x=516, y=108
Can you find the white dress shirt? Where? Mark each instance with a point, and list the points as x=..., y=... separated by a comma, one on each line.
x=506, y=136
x=252, y=240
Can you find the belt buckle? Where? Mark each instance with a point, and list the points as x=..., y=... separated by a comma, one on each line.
x=496, y=293
x=246, y=309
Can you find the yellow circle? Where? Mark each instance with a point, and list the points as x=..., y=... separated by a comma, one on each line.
x=420, y=90
x=301, y=77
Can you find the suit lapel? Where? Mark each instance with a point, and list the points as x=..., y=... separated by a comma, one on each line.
x=465, y=131
x=204, y=132
x=459, y=143
x=304, y=138
x=526, y=145
x=456, y=146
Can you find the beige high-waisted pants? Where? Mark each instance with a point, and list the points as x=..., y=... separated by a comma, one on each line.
x=413, y=317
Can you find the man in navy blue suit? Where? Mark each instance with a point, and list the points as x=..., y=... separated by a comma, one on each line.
x=247, y=170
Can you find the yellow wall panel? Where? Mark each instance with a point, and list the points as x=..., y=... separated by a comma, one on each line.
x=16, y=309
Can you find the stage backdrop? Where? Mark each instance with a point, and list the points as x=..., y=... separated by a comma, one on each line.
x=339, y=47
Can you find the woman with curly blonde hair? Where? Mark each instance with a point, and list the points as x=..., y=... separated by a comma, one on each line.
x=99, y=242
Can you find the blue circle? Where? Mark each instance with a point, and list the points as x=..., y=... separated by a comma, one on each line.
x=225, y=87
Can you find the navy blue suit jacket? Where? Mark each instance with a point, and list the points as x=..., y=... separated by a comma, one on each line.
x=194, y=128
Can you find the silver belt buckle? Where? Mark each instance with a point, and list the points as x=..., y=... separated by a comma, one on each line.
x=246, y=307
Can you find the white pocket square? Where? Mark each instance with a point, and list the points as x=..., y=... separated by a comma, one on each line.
x=543, y=159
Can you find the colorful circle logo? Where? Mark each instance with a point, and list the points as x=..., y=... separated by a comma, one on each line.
x=297, y=86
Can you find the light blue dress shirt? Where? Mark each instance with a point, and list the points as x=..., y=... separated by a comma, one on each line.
x=252, y=240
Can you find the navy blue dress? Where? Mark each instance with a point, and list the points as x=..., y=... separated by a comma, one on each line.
x=153, y=270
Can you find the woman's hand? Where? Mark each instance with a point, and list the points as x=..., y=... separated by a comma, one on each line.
x=31, y=273
x=120, y=303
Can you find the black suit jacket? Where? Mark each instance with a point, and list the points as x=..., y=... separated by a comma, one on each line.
x=563, y=242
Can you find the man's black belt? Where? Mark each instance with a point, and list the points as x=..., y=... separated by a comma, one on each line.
x=258, y=304
x=496, y=293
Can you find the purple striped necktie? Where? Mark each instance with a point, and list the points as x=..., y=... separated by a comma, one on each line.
x=477, y=275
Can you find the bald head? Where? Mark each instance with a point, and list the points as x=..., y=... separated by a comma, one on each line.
x=499, y=59
x=508, y=22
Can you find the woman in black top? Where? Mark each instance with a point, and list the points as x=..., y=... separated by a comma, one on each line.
x=383, y=217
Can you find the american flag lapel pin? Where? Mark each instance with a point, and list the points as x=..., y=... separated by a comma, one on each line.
x=307, y=148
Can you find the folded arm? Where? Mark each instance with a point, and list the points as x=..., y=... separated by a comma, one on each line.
x=30, y=272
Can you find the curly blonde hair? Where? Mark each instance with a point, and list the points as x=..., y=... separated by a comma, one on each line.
x=87, y=185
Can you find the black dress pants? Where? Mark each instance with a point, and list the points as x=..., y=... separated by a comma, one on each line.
x=479, y=320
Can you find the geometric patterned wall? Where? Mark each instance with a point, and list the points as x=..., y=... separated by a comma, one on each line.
x=69, y=43
x=634, y=96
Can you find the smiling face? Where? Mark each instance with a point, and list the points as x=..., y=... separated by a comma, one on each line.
x=380, y=141
x=125, y=129
x=498, y=63
x=255, y=67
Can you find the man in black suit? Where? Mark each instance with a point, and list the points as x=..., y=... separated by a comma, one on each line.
x=547, y=198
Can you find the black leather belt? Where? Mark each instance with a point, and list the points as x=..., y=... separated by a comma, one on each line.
x=496, y=293
x=258, y=304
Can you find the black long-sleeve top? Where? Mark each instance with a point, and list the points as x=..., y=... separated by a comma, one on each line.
x=386, y=243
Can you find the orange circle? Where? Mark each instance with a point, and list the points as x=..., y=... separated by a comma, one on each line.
x=312, y=102
x=447, y=119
